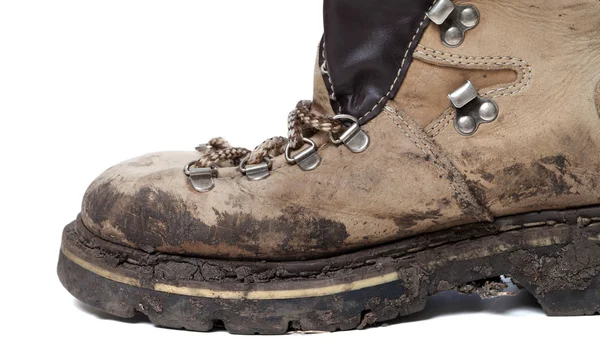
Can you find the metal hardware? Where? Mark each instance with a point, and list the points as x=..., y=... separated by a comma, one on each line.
x=256, y=172
x=201, y=179
x=465, y=94
x=440, y=11
x=454, y=21
x=472, y=110
x=307, y=159
x=354, y=137
x=202, y=148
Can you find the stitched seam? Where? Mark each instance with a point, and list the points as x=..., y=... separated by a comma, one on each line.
x=434, y=158
x=406, y=54
x=525, y=82
x=526, y=74
x=515, y=61
x=453, y=55
x=451, y=118
x=447, y=117
x=332, y=96
x=525, y=78
x=463, y=193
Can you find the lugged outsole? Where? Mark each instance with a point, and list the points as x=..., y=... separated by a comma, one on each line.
x=554, y=255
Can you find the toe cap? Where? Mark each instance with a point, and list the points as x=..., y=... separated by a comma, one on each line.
x=147, y=203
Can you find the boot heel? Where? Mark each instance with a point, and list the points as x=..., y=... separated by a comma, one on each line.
x=565, y=279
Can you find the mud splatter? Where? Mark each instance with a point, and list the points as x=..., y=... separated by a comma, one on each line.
x=408, y=221
x=292, y=227
x=154, y=219
x=548, y=176
x=478, y=190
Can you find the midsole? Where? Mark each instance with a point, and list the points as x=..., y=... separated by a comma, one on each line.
x=237, y=295
x=296, y=280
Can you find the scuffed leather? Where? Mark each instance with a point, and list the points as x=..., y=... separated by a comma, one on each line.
x=542, y=151
x=540, y=154
x=368, y=47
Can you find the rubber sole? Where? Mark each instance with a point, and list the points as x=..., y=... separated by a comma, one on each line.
x=555, y=255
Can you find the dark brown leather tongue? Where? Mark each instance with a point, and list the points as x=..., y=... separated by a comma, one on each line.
x=368, y=49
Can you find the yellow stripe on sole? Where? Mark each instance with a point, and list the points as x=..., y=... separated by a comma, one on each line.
x=101, y=271
x=237, y=295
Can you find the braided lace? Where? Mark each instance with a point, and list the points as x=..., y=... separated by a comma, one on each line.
x=302, y=121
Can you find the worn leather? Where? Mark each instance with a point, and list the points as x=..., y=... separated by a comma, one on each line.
x=417, y=99
x=350, y=202
x=418, y=175
x=368, y=48
x=542, y=152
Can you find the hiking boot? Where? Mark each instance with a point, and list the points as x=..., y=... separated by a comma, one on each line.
x=448, y=144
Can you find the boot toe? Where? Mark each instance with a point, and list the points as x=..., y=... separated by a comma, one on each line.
x=131, y=202
x=148, y=203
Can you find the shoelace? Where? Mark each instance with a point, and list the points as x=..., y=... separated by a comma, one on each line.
x=301, y=122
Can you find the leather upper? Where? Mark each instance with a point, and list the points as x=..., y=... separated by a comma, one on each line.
x=350, y=202
x=418, y=175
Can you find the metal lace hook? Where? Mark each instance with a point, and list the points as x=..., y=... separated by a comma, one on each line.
x=256, y=172
x=354, y=138
x=307, y=159
x=201, y=179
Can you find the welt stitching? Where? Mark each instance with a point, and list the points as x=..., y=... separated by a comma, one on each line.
x=406, y=54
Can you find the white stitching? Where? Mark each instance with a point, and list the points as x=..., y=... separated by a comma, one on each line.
x=524, y=67
x=463, y=193
x=406, y=54
x=388, y=111
x=452, y=55
x=448, y=119
x=332, y=96
x=526, y=76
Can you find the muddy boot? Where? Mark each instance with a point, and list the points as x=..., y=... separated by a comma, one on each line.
x=447, y=144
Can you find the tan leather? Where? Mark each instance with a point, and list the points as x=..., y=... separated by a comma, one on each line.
x=542, y=152
x=418, y=104
x=351, y=201
x=418, y=175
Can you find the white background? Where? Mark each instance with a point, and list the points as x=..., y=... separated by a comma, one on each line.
x=86, y=84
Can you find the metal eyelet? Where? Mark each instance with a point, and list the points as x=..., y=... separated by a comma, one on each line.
x=472, y=110
x=354, y=138
x=454, y=21
x=256, y=172
x=307, y=159
x=201, y=179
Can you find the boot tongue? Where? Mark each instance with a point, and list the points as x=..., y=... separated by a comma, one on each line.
x=367, y=47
